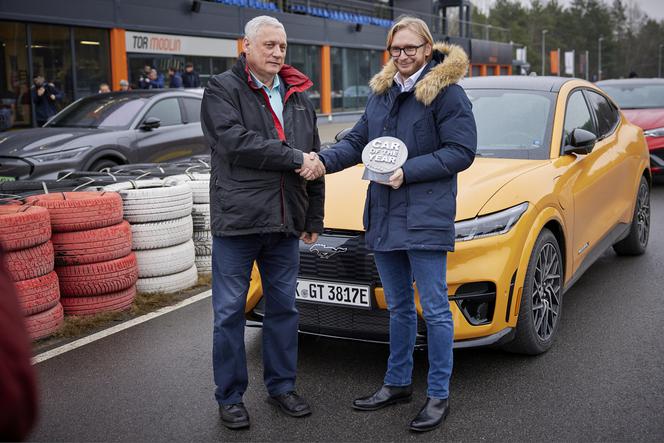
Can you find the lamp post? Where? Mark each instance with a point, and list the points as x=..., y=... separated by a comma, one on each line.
x=544, y=31
x=659, y=61
x=599, y=58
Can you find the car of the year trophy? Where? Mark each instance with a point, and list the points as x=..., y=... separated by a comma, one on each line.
x=381, y=157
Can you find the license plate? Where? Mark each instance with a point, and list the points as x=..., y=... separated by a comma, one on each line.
x=334, y=293
x=6, y=179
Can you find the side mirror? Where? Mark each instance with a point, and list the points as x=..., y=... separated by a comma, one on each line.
x=150, y=123
x=580, y=142
x=341, y=134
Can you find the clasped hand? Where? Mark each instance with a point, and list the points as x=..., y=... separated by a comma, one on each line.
x=312, y=168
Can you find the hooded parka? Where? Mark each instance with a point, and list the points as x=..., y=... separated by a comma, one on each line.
x=253, y=187
x=436, y=123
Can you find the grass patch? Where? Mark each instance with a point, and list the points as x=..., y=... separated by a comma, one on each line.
x=76, y=327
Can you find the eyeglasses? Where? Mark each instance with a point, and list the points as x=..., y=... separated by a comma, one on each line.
x=408, y=50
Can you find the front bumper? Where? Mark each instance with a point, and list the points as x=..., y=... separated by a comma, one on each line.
x=483, y=271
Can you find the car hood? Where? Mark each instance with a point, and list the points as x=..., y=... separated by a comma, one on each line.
x=645, y=118
x=345, y=191
x=27, y=142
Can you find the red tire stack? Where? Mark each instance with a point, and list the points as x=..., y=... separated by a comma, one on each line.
x=25, y=233
x=92, y=243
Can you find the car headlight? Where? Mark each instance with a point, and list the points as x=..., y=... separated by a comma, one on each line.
x=487, y=225
x=657, y=132
x=64, y=154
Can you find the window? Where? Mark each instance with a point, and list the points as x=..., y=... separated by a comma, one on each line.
x=167, y=111
x=92, y=60
x=351, y=71
x=607, y=115
x=192, y=109
x=51, y=58
x=14, y=81
x=306, y=59
x=577, y=115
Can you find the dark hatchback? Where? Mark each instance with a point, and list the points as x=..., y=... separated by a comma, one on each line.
x=106, y=130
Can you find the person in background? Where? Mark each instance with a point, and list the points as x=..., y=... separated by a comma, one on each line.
x=44, y=96
x=153, y=81
x=18, y=385
x=124, y=85
x=175, y=78
x=190, y=77
x=104, y=88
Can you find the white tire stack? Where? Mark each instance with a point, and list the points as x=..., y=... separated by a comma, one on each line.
x=200, y=186
x=160, y=216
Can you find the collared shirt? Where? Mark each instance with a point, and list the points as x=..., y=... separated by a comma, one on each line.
x=274, y=95
x=410, y=81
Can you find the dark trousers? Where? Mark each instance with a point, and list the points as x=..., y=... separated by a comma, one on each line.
x=278, y=259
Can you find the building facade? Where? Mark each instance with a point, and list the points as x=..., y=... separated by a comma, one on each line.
x=78, y=45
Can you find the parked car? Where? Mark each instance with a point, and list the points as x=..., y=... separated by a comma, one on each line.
x=560, y=176
x=106, y=130
x=642, y=102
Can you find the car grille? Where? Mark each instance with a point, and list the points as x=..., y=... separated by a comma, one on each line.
x=344, y=322
x=339, y=256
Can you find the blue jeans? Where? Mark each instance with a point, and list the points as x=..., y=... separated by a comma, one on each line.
x=397, y=269
x=278, y=261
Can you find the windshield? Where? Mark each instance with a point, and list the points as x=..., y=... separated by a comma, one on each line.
x=636, y=96
x=103, y=111
x=512, y=123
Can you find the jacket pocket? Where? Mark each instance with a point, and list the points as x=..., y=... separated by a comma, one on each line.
x=430, y=205
x=255, y=178
x=426, y=135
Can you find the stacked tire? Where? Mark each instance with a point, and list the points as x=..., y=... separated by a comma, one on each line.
x=96, y=268
x=200, y=187
x=162, y=226
x=25, y=235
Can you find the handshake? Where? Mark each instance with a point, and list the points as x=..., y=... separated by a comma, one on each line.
x=312, y=168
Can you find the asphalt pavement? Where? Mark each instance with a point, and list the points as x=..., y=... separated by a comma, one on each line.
x=603, y=380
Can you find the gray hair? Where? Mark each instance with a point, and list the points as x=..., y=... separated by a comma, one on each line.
x=255, y=24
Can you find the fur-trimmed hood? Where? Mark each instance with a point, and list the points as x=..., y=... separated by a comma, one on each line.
x=452, y=69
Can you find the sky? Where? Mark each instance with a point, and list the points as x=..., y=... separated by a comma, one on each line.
x=654, y=8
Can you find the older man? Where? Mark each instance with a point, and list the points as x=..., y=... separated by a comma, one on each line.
x=261, y=128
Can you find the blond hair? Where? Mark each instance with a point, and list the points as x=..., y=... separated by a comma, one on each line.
x=417, y=25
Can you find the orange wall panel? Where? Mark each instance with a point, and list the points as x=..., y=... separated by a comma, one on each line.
x=325, y=80
x=119, y=69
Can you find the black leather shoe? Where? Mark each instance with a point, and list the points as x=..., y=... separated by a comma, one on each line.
x=385, y=396
x=234, y=416
x=291, y=404
x=431, y=415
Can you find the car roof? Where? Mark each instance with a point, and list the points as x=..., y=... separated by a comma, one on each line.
x=630, y=81
x=149, y=93
x=525, y=82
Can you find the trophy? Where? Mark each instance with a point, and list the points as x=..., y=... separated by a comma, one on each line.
x=381, y=157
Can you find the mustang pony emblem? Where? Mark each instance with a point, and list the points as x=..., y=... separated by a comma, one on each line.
x=326, y=252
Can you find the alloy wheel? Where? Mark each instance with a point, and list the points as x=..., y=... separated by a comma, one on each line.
x=643, y=214
x=546, y=292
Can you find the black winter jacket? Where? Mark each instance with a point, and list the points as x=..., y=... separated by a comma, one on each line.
x=254, y=188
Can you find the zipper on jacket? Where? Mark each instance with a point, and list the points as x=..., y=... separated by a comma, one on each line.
x=283, y=204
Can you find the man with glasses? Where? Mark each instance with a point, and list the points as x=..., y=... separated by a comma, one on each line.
x=409, y=222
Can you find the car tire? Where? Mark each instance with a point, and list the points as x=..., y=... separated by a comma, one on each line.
x=23, y=226
x=80, y=211
x=97, y=278
x=168, y=283
x=29, y=263
x=38, y=294
x=161, y=234
x=203, y=242
x=45, y=323
x=639, y=232
x=101, y=164
x=199, y=182
x=542, y=299
x=116, y=301
x=165, y=261
x=201, y=215
x=150, y=201
x=204, y=264
x=93, y=245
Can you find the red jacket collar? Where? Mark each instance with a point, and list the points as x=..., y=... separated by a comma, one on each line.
x=294, y=80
